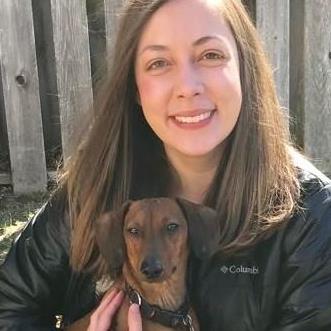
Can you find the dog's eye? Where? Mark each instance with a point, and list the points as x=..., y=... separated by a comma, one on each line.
x=172, y=227
x=133, y=231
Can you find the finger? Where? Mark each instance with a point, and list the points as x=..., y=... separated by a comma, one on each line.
x=106, y=299
x=113, y=305
x=101, y=319
x=110, y=295
x=106, y=315
x=134, y=318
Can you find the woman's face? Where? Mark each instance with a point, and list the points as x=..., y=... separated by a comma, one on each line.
x=187, y=74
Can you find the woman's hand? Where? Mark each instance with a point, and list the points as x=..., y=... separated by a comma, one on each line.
x=101, y=319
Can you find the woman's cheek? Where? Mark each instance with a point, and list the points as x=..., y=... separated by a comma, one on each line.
x=153, y=89
x=227, y=82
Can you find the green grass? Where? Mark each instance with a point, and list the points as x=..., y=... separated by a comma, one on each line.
x=15, y=211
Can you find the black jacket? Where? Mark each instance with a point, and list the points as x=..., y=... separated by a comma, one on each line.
x=281, y=284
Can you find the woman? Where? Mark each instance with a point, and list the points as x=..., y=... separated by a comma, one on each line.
x=189, y=109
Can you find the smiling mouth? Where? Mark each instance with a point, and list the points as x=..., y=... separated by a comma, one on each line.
x=194, y=119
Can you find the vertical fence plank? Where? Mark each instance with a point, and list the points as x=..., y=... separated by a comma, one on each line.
x=251, y=8
x=47, y=80
x=272, y=20
x=21, y=96
x=317, y=82
x=73, y=67
x=5, y=178
x=112, y=10
x=3, y=129
x=297, y=71
x=96, y=23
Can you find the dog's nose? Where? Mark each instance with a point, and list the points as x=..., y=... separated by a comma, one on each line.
x=151, y=268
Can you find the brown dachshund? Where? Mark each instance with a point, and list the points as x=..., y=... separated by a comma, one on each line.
x=147, y=245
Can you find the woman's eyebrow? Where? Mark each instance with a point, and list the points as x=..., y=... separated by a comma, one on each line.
x=154, y=48
x=197, y=42
x=205, y=39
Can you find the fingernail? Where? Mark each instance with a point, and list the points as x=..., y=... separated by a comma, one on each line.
x=135, y=308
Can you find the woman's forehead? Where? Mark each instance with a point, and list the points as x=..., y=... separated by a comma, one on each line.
x=185, y=16
x=180, y=23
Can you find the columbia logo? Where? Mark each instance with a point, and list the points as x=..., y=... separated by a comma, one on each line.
x=224, y=269
x=235, y=269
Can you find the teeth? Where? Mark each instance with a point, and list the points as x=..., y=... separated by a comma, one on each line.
x=193, y=119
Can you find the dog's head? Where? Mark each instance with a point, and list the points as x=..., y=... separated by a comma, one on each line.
x=154, y=236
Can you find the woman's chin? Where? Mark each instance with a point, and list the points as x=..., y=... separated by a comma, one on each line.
x=195, y=151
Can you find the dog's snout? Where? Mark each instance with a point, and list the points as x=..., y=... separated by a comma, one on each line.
x=152, y=268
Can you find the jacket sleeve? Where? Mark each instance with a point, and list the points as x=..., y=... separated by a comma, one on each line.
x=34, y=274
x=305, y=280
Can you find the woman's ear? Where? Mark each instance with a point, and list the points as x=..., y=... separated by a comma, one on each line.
x=203, y=228
x=109, y=238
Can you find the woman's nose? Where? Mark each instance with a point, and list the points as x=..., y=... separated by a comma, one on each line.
x=189, y=82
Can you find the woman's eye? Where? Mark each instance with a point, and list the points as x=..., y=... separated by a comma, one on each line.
x=158, y=64
x=172, y=227
x=213, y=56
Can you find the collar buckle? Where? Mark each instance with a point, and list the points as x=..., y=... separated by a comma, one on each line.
x=187, y=321
x=136, y=298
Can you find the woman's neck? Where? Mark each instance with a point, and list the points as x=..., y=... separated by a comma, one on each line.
x=192, y=174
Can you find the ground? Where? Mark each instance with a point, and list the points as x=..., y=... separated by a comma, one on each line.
x=15, y=211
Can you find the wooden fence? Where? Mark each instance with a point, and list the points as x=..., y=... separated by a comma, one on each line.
x=50, y=49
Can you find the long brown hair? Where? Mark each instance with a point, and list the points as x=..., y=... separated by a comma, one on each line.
x=255, y=187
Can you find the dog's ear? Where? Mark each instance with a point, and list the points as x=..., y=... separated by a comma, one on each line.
x=203, y=228
x=109, y=238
